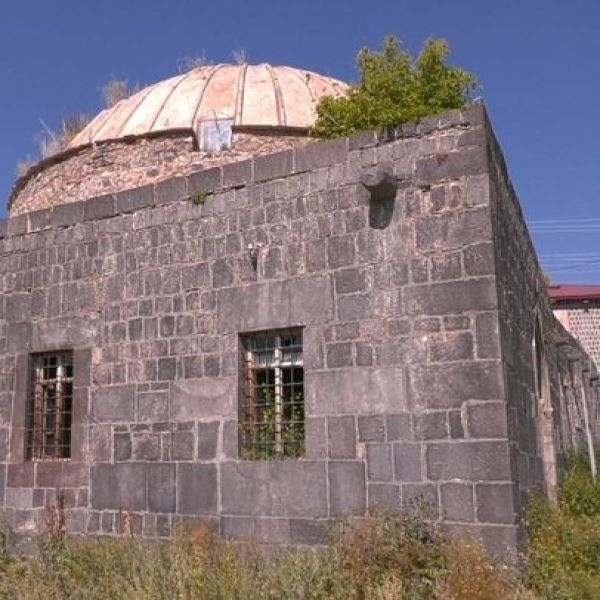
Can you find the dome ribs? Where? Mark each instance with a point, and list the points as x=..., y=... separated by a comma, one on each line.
x=239, y=99
x=119, y=106
x=254, y=96
x=166, y=100
x=203, y=93
x=281, y=115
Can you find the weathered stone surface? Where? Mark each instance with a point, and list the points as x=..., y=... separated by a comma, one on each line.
x=341, y=434
x=206, y=180
x=318, y=155
x=380, y=465
x=113, y=403
x=60, y=333
x=371, y=428
x=383, y=497
x=479, y=259
x=457, y=502
x=64, y=215
x=152, y=406
x=170, y=190
x=452, y=230
x=134, y=199
x=407, y=462
x=237, y=173
x=339, y=355
x=468, y=461
x=347, y=491
x=274, y=165
x=431, y=425
x=451, y=297
x=196, y=489
x=487, y=420
x=122, y=448
x=398, y=427
x=488, y=335
x=275, y=304
x=467, y=161
x=309, y=531
x=495, y=503
x=118, y=487
x=449, y=385
x=285, y=488
x=315, y=435
x=183, y=445
x=208, y=439
x=356, y=391
x=99, y=208
x=422, y=495
x=203, y=398
x=161, y=487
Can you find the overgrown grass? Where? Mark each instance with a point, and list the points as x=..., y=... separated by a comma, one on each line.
x=386, y=558
x=400, y=556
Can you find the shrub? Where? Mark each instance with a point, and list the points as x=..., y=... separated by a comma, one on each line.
x=579, y=494
x=564, y=541
x=394, y=88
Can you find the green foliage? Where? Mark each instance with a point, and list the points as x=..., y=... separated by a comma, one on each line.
x=579, y=494
x=198, y=198
x=394, y=88
x=564, y=541
x=260, y=436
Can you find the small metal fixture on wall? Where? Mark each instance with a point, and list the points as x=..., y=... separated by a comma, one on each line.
x=253, y=250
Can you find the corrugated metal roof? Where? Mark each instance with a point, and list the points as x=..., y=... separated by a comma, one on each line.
x=252, y=95
x=574, y=292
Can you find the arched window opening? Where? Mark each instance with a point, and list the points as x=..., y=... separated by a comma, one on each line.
x=542, y=410
x=539, y=365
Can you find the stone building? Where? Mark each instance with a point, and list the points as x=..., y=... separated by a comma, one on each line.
x=206, y=317
x=577, y=307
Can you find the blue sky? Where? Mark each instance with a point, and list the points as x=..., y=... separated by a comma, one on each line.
x=538, y=63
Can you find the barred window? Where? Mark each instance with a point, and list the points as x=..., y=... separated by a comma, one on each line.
x=50, y=406
x=273, y=411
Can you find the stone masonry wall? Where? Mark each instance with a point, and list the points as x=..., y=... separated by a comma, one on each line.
x=111, y=167
x=404, y=370
x=522, y=296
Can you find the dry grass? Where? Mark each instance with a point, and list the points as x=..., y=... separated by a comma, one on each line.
x=115, y=90
x=393, y=557
x=24, y=165
x=189, y=63
x=52, y=142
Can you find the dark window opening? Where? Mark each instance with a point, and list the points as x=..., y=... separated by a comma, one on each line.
x=50, y=406
x=273, y=410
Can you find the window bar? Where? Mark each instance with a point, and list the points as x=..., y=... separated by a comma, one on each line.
x=250, y=416
x=38, y=414
x=59, y=407
x=278, y=398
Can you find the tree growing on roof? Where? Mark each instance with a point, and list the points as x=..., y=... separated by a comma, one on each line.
x=394, y=87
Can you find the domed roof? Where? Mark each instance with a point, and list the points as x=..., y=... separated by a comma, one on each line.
x=251, y=95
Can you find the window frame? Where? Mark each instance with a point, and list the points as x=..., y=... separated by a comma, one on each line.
x=49, y=411
x=285, y=385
